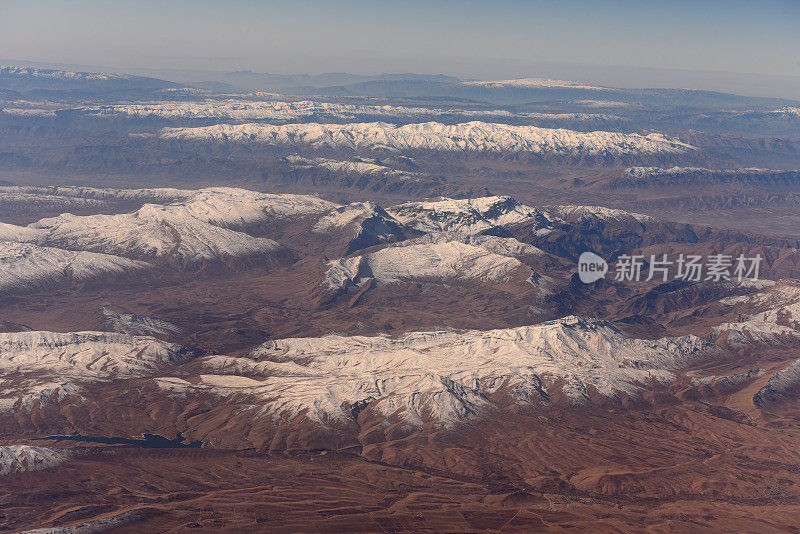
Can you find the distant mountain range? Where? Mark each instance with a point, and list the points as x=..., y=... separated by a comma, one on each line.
x=33, y=81
x=43, y=82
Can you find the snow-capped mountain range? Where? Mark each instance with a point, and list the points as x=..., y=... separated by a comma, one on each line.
x=30, y=266
x=478, y=137
x=192, y=228
x=35, y=79
x=774, y=317
x=441, y=377
x=533, y=82
x=60, y=74
x=86, y=354
x=356, y=167
x=417, y=378
x=445, y=377
x=645, y=177
x=421, y=378
x=278, y=110
x=467, y=216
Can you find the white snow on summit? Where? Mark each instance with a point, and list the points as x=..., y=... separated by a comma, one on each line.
x=21, y=458
x=44, y=368
x=240, y=110
x=86, y=354
x=233, y=208
x=466, y=216
x=588, y=213
x=190, y=227
x=504, y=246
x=152, y=232
x=22, y=234
x=787, y=111
x=89, y=196
x=366, y=224
x=694, y=176
x=357, y=166
x=774, y=317
x=139, y=325
x=473, y=136
x=446, y=261
x=243, y=110
x=35, y=389
x=785, y=381
x=29, y=266
x=533, y=83
x=222, y=206
x=28, y=112
x=445, y=376
x=349, y=214
x=60, y=74
x=190, y=230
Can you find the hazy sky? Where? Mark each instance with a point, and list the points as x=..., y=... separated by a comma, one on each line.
x=475, y=39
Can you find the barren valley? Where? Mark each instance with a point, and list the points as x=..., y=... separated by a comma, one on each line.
x=357, y=307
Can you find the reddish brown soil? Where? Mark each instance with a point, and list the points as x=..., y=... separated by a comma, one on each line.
x=673, y=467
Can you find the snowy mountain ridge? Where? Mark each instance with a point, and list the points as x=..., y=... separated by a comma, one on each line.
x=279, y=110
x=21, y=458
x=447, y=376
x=29, y=266
x=446, y=261
x=86, y=354
x=195, y=228
x=467, y=216
x=60, y=74
x=533, y=82
x=476, y=136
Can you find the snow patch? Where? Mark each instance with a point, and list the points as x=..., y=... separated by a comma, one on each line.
x=139, y=325
x=21, y=458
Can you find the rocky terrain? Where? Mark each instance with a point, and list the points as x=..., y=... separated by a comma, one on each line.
x=357, y=306
x=152, y=356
